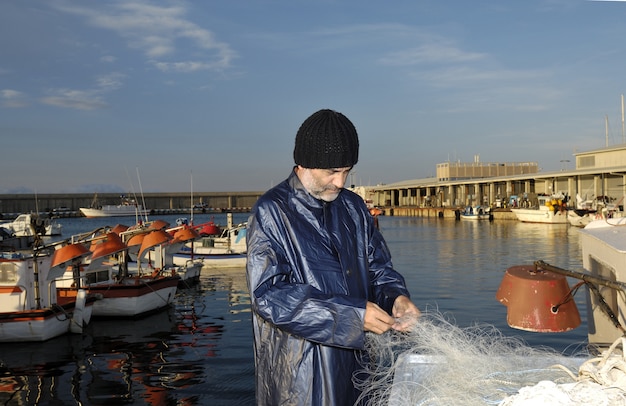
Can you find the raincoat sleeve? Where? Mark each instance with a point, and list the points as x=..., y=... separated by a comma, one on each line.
x=386, y=283
x=284, y=291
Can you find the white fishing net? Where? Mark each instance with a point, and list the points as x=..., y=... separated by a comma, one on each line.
x=440, y=364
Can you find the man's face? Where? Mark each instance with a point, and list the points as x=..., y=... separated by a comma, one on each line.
x=323, y=184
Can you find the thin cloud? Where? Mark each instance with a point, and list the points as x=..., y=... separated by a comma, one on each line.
x=109, y=82
x=430, y=53
x=12, y=98
x=89, y=99
x=189, y=66
x=74, y=99
x=108, y=59
x=157, y=32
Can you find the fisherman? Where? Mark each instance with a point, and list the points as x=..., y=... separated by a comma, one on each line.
x=319, y=273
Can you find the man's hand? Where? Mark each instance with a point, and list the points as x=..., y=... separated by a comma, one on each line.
x=376, y=319
x=405, y=313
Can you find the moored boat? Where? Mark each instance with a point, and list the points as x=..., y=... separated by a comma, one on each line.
x=476, y=213
x=29, y=224
x=546, y=209
x=29, y=309
x=587, y=211
x=127, y=207
x=224, y=251
x=157, y=251
x=582, y=217
x=120, y=293
x=216, y=260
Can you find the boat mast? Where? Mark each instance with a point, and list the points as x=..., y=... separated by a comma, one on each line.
x=191, y=205
x=143, y=201
x=623, y=140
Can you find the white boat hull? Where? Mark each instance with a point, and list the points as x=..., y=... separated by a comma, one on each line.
x=541, y=215
x=474, y=217
x=29, y=307
x=232, y=260
x=33, y=327
x=133, y=297
x=114, y=211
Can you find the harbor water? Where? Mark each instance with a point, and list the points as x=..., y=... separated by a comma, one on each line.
x=199, y=352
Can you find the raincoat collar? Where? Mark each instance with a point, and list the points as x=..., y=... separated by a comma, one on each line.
x=302, y=194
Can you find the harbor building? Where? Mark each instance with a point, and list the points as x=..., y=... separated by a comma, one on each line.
x=453, y=171
x=597, y=174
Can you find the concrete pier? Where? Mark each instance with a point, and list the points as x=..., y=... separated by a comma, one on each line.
x=442, y=212
x=67, y=205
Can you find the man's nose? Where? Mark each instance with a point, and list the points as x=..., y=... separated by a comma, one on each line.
x=339, y=180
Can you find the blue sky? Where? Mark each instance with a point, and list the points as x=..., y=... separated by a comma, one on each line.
x=158, y=95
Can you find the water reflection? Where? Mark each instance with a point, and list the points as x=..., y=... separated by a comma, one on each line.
x=185, y=355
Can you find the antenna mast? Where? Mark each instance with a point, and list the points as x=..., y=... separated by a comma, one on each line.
x=623, y=140
x=606, y=130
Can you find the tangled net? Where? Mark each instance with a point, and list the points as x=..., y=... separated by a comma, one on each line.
x=438, y=363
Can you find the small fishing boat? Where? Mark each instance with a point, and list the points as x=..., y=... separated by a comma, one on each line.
x=151, y=246
x=157, y=254
x=476, y=213
x=216, y=260
x=224, y=251
x=29, y=309
x=120, y=292
x=587, y=211
x=209, y=228
x=33, y=224
x=545, y=209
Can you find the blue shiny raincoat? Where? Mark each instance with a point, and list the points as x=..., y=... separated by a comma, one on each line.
x=312, y=266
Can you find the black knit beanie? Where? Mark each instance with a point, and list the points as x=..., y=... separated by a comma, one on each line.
x=327, y=139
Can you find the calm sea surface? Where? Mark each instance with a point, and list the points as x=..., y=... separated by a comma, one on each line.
x=199, y=352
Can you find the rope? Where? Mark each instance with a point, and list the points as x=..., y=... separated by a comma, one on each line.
x=607, y=370
x=600, y=381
